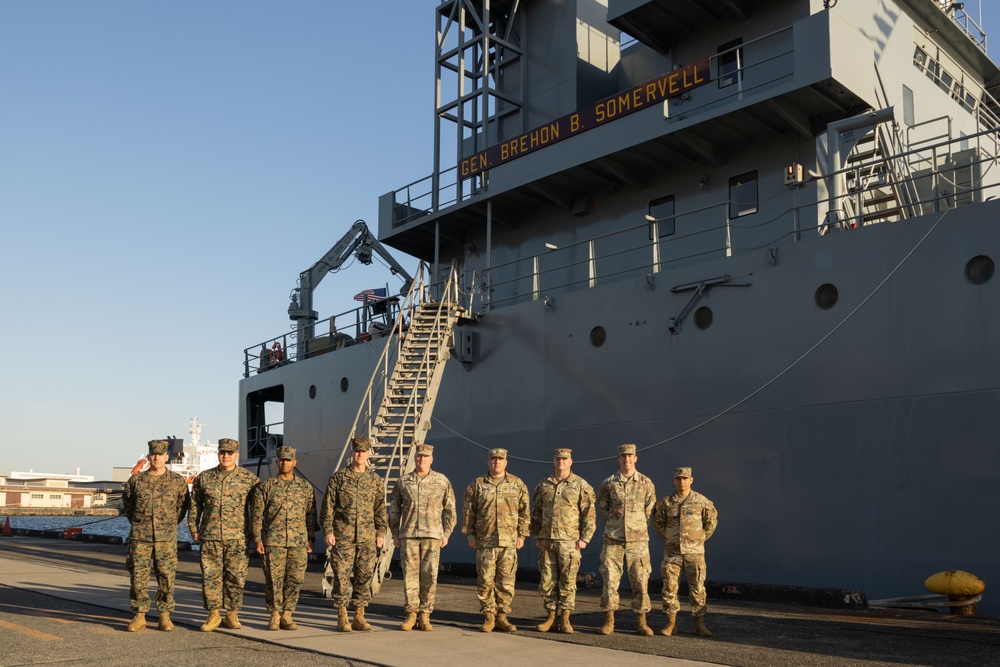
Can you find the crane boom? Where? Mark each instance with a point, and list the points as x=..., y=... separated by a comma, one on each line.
x=357, y=241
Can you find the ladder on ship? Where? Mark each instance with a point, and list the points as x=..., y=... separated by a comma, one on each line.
x=399, y=401
x=880, y=186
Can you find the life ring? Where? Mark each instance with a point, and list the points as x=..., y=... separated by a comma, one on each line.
x=275, y=356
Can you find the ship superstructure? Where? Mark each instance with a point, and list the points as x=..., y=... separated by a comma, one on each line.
x=756, y=237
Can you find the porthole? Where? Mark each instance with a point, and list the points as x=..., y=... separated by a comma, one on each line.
x=343, y=385
x=598, y=336
x=826, y=296
x=703, y=317
x=979, y=269
x=312, y=391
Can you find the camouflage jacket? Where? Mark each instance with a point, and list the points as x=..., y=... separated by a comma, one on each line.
x=155, y=505
x=496, y=514
x=283, y=514
x=685, y=523
x=563, y=510
x=625, y=504
x=354, y=507
x=220, y=504
x=422, y=506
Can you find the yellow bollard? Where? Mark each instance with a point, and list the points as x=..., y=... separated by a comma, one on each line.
x=959, y=586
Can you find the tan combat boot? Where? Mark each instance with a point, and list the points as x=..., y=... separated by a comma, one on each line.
x=343, y=625
x=564, y=626
x=214, y=620
x=547, y=624
x=138, y=622
x=165, y=623
x=671, y=624
x=489, y=622
x=503, y=625
x=360, y=624
x=275, y=621
x=286, y=622
x=408, y=622
x=609, y=623
x=232, y=620
x=699, y=626
x=641, y=627
x=424, y=621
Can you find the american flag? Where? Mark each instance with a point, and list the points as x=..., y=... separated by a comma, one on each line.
x=370, y=295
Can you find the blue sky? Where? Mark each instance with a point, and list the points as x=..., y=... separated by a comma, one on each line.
x=160, y=165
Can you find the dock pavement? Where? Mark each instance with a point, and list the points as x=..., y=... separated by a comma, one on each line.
x=745, y=634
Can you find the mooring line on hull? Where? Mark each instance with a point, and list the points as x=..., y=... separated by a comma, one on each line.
x=812, y=349
x=754, y=392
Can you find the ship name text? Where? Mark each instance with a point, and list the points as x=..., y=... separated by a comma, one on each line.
x=652, y=92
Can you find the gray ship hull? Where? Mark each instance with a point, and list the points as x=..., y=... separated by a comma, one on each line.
x=853, y=447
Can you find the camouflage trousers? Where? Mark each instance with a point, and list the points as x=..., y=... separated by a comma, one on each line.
x=614, y=557
x=496, y=568
x=284, y=574
x=139, y=561
x=353, y=567
x=558, y=564
x=419, y=557
x=224, y=567
x=695, y=567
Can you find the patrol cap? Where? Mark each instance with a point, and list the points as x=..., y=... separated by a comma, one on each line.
x=682, y=472
x=563, y=453
x=626, y=449
x=425, y=450
x=498, y=453
x=361, y=444
x=228, y=445
x=158, y=446
x=286, y=453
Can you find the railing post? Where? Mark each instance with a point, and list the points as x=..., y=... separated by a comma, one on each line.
x=592, y=264
x=729, y=238
x=654, y=230
x=534, y=278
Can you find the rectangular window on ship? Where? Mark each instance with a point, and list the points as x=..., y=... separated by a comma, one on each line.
x=743, y=194
x=661, y=216
x=729, y=63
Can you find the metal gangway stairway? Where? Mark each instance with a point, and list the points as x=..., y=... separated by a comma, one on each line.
x=399, y=401
x=881, y=186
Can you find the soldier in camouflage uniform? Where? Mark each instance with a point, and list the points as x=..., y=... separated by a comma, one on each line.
x=685, y=520
x=283, y=523
x=155, y=502
x=218, y=522
x=625, y=501
x=354, y=523
x=563, y=521
x=495, y=518
x=421, y=518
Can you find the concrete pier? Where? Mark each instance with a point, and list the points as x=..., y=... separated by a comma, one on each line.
x=94, y=575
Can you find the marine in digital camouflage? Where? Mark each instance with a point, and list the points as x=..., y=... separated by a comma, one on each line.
x=496, y=517
x=625, y=503
x=283, y=520
x=220, y=505
x=354, y=511
x=154, y=505
x=685, y=524
x=421, y=515
x=562, y=515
